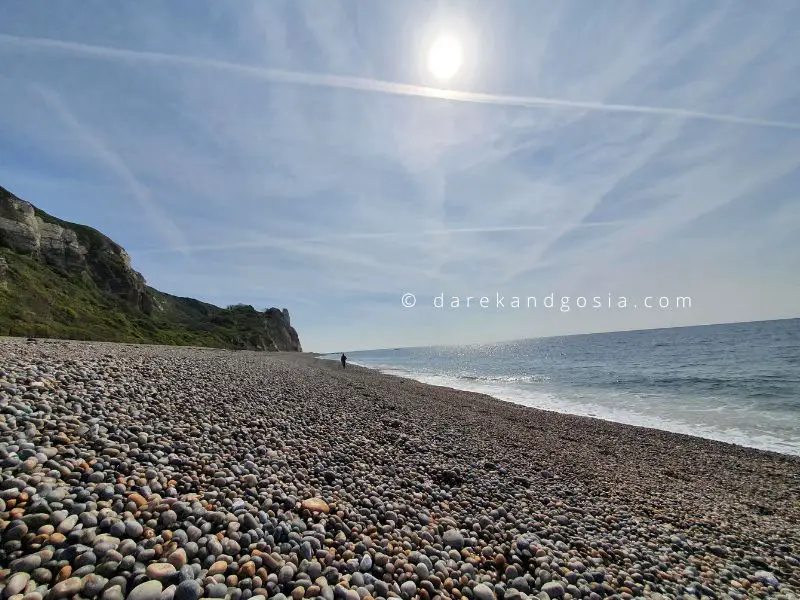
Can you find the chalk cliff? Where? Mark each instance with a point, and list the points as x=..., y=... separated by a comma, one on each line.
x=60, y=279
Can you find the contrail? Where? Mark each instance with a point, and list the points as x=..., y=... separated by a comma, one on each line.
x=290, y=243
x=376, y=85
x=140, y=193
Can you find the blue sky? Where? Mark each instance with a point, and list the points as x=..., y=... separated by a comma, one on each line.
x=297, y=153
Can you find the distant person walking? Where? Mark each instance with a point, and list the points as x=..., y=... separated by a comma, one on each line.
x=344, y=361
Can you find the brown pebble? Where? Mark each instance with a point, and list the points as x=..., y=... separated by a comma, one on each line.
x=138, y=500
x=178, y=558
x=160, y=571
x=218, y=568
x=64, y=573
x=248, y=570
x=316, y=505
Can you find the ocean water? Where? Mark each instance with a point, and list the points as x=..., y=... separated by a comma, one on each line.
x=736, y=383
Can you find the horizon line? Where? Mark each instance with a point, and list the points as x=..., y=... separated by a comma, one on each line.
x=545, y=337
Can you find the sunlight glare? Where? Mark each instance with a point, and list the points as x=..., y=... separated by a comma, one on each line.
x=444, y=58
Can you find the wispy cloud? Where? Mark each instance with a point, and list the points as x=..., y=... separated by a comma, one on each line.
x=289, y=243
x=310, y=161
x=157, y=218
x=386, y=87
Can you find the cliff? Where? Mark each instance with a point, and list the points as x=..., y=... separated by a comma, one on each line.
x=64, y=280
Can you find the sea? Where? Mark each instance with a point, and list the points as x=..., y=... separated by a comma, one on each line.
x=737, y=383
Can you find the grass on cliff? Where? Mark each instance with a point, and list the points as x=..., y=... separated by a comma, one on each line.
x=36, y=301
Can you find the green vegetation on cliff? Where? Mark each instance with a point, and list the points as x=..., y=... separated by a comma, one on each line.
x=37, y=301
x=64, y=280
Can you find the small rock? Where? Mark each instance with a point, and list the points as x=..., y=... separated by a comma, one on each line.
x=553, y=589
x=316, y=505
x=454, y=539
x=408, y=589
x=160, y=571
x=483, y=592
x=66, y=588
x=188, y=590
x=149, y=590
x=16, y=584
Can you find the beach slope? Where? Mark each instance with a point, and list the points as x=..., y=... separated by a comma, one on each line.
x=153, y=472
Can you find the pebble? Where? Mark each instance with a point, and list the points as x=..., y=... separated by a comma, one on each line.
x=160, y=571
x=159, y=473
x=149, y=590
x=188, y=590
x=483, y=592
x=16, y=584
x=68, y=587
x=454, y=539
x=553, y=589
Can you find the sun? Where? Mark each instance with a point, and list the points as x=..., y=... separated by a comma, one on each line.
x=444, y=57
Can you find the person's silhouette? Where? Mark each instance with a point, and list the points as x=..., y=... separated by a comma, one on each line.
x=344, y=361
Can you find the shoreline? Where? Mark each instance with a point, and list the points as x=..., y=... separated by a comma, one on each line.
x=506, y=502
x=496, y=398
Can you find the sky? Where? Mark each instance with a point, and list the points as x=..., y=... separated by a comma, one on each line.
x=301, y=154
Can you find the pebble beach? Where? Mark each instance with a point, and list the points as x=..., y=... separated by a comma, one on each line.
x=161, y=473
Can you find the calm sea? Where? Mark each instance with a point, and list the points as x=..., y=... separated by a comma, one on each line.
x=737, y=383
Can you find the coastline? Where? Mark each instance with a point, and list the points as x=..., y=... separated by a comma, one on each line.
x=608, y=508
x=653, y=425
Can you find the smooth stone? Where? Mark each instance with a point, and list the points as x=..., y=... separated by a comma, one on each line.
x=178, y=558
x=93, y=585
x=168, y=594
x=408, y=589
x=366, y=563
x=42, y=575
x=160, y=571
x=149, y=590
x=554, y=589
x=483, y=592
x=133, y=529
x=113, y=593
x=218, y=568
x=68, y=587
x=188, y=590
x=67, y=524
x=453, y=538
x=767, y=578
x=16, y=584
x=26, y=564
x=217, y=590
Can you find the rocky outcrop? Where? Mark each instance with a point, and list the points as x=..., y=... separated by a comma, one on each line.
x=81, y=254
x=23, y=231
x=280, y=330
x=71, y=249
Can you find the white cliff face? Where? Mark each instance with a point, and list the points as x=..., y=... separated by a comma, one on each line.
x=23, y=231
